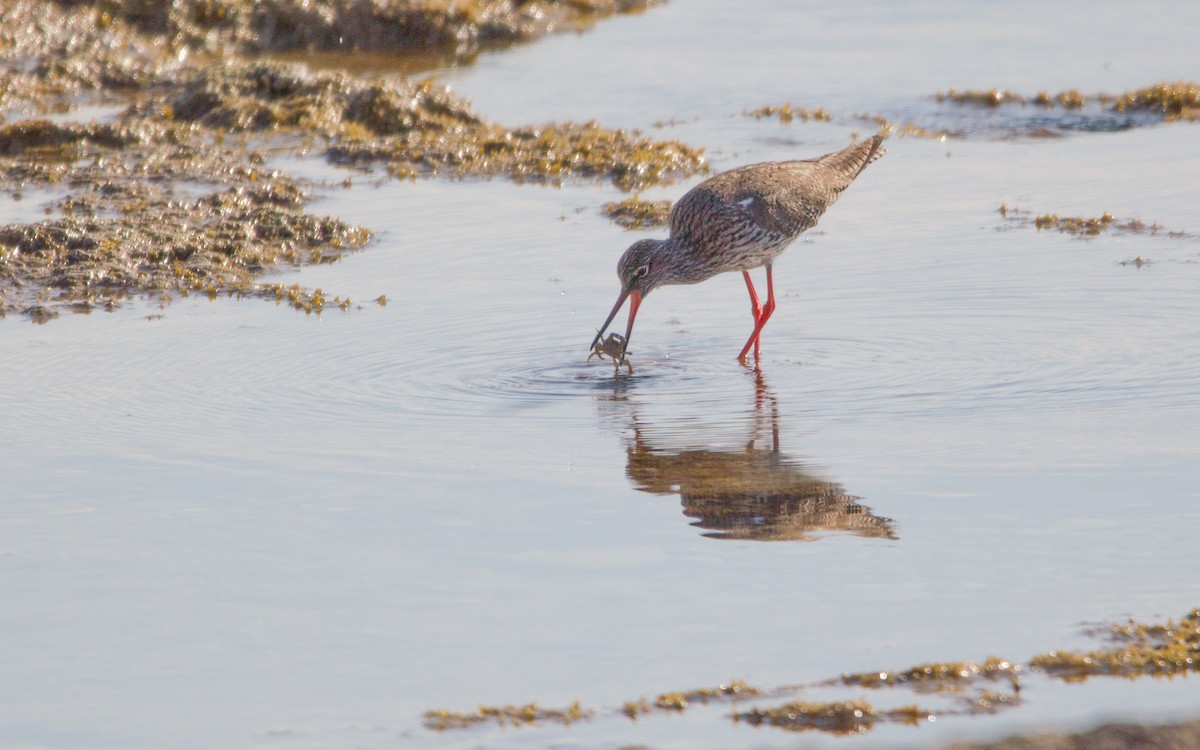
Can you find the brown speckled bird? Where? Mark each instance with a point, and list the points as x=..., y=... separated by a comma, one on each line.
x=738, y=220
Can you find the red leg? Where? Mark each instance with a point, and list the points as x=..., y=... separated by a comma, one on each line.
x=755, y=308
x=760, y=316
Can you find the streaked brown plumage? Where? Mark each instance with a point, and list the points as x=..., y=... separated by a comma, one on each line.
x=736, y=221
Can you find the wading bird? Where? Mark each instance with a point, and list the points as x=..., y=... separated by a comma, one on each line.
x=736, y=221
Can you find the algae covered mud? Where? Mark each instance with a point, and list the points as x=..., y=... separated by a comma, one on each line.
x=1135, y=650
x=170, y=196
x=401, y=506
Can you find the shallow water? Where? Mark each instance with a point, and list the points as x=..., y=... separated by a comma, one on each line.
x=236, y=525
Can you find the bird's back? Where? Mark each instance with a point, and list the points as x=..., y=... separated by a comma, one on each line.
x=745, y=217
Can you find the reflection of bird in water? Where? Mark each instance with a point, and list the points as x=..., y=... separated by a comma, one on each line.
x=736, y=221
x=755, y=493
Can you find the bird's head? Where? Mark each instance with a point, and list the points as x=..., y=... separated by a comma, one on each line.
x=641, y=269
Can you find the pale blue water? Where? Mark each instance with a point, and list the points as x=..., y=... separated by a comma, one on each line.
x=239, y=526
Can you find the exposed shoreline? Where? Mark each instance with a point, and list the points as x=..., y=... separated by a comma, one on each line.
x=197, y=111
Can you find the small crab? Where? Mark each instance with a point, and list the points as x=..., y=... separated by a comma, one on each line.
x=614, y=348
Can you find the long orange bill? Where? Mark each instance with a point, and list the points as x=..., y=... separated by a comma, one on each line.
x=635, y=300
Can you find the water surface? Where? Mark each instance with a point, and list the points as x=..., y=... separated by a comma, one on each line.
x=231, y=524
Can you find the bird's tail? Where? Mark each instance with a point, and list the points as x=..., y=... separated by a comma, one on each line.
x=854, y=158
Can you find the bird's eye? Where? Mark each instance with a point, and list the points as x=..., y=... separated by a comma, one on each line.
x=642, y=271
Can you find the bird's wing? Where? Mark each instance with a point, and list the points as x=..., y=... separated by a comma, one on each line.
x=790, y=196
x=784, y=198
x=777, y=199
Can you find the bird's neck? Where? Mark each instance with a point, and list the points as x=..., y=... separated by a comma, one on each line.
x=685, y=266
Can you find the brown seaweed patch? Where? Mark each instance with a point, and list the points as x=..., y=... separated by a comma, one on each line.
x=416, y=128
x=1135, y=649
x=1087, y=226
x=310, y=301
x=56, y=50
x=43, y=140
x=1178, y=100
x=991, y=701
x=1167, y=649
x=786, y=113
x=836, y=717
x=1052, y=115
x=258, y=96
x=65, y=48
x=841, y=717
x=678, y=701
x=903, y=130
x=113, y=235
x=979, y=98
x=1175, y=101
x=194, y=112
x=1069, y=99
x=463, y=27
x=634, y=709
x=150, y=245
x=530, y=713
x=1075, y=224
x=635, y=213
x=551, y=153
x=938, y=676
